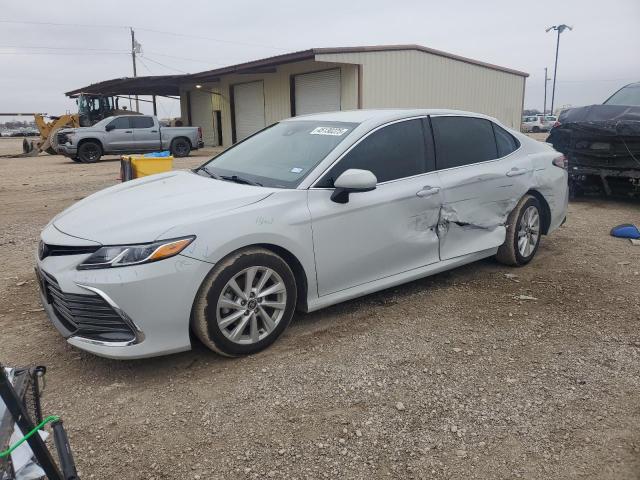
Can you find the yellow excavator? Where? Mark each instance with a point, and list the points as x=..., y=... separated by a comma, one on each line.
x=91, y=109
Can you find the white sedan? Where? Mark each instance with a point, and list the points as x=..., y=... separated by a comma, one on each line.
x=309, y=212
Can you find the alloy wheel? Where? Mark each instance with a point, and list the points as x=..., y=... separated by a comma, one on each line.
x=528, y=231
x=251, y=305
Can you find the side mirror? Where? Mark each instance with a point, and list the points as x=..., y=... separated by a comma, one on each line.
x=110, y=127
x=352, y=181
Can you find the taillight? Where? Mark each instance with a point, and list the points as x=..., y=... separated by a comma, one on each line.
x=561, y=162
x=200, y=133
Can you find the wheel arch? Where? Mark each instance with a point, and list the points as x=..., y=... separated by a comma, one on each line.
x=297, y=268
x=546, y=210
x=181, y=137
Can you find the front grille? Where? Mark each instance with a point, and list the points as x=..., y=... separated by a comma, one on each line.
x=62, y=138
x=45, y=250
x=88, y=316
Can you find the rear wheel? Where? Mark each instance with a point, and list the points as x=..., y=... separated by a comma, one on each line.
x=536, y=129
x=89, y=152
x=180, y=147
x=245, y=303
x=523, y=233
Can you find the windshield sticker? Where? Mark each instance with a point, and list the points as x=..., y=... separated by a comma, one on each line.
x=334, y=131
x=296, y=170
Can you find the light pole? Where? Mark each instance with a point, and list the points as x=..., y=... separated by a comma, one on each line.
x=546, y=80
x=558, y=28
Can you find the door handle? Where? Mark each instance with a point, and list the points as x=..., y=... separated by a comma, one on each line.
x=154, y=131
x=427, y=191
x=514, y=172
x=128, y=131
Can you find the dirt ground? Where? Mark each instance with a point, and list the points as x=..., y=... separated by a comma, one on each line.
x=451, y=376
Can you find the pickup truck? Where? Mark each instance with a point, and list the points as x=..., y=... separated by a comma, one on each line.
x=124, y=134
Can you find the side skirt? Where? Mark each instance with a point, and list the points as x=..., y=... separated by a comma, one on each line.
x=398, y=279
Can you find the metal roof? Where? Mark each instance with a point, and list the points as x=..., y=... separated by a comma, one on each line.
x=156, y=85
x=169, y=84
x=257, y=65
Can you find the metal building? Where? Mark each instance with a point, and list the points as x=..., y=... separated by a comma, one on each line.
x=233, y=102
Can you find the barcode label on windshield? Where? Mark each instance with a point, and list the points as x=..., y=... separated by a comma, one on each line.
x=336, y=132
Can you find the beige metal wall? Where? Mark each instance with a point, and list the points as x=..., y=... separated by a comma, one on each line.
x=277, y=94
x=410, y=79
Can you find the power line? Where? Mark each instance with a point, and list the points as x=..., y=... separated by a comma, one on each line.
x=44, y=47
x=163, y=32
x=82, y=25
x=151, y=30
x=20, y=54
x=165, y=66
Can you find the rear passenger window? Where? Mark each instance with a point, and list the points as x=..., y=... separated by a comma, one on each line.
x=141, y=122
x=506, y=142
x=393, y=152
x=463, y=141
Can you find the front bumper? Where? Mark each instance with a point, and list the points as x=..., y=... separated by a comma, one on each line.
x=67, y=150
x=154, y=300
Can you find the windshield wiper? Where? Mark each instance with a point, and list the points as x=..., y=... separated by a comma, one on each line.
x=237, y=179
x=215, y=176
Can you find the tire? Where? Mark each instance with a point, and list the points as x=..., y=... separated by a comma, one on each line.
x=180, y=147
x=89, y=152
x=76, y=159
x=215, y=326
x=522, y=222
x=53, y=141
x=535, y=129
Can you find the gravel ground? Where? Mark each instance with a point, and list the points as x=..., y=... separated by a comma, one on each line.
x=453, y=376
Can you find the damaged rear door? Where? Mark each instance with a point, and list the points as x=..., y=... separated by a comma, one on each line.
x=482, y=176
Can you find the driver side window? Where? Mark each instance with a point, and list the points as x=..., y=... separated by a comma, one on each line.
x=392, y=152
x=120, y=123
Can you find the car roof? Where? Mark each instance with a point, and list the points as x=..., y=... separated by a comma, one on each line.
x=380, y=115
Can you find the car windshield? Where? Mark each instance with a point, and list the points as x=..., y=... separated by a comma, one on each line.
x=628, y=96
x=281, y=155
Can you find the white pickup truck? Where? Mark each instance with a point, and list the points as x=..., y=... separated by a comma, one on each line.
x=126, y=134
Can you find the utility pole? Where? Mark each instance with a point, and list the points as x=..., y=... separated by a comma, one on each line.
x=134, y=48
x=546, y=80
x=558, y=28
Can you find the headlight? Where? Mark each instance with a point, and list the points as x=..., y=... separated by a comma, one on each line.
x=125, y=255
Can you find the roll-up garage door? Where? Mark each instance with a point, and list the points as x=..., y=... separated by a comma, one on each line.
x=248, y=99
x=317, y=92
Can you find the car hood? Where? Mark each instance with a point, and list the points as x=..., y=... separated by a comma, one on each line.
x=142, y=210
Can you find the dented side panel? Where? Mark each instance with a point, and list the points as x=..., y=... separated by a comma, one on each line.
x=477, y=200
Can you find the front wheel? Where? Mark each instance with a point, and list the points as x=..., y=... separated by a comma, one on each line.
x=89, y=152
x=523, y=233
x=245, y=303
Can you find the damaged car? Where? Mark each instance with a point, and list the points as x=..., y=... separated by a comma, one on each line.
x=309, y=212
x=602, y=145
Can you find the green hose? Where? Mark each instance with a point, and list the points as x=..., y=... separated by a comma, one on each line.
x=50, y=418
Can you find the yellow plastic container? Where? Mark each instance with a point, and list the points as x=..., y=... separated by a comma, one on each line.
x=144, y=166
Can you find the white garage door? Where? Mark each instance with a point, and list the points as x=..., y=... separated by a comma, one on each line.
x=317, y=92
x=248, y=101
x=202, y=116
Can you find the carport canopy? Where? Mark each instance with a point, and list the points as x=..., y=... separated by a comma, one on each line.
x=160, y=85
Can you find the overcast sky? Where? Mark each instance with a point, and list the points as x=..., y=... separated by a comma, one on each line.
x=596, y=58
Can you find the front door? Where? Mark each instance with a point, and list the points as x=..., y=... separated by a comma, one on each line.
x=482, y=176
x=121, y=137
x=387, y=231
x=146, y=133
